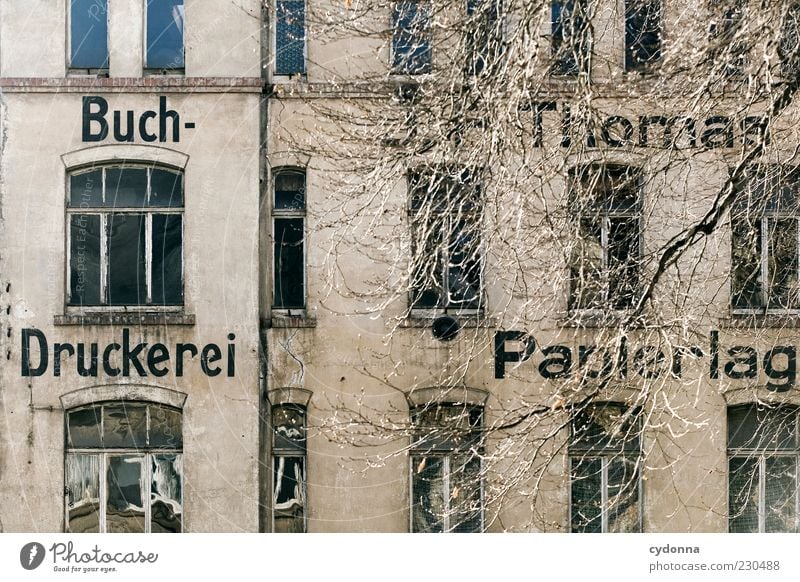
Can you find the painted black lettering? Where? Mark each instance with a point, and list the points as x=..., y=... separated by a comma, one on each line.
x=98, y=116
x=27, y=369
x=131, y=356
x=742, y=356
x=163, y=115
x=143, y=131
x=718, y=132
x=211, y=353
x=501, y=356
x=556, y=367
x=107, y=367
x=82, y=369
x=788, y=373
x=182, y=349
x=158, y=354
x=128, y=135
x=58, y=349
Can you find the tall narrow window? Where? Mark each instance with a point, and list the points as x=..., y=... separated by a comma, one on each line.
x=411, y=37
x=289, y=468
x=288, y=215
x=764, y=241
x=789, y=46
x=123, y=469
x=445, y=216
x=763, y=456
x=642, y=34
x=570, y=36
x=446, y=469
x=88, y=34
x=290, y=37
x=604, y=457
x=164, y=34
x=604, y=268
x=729, y=45
x=483, y=39
x=125, y=236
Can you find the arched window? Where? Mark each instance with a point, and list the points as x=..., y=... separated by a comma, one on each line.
x=125, y=236
x=604, y=456
x=289, y=468
x=123, y=469
x=763, y=455
x=446, y=469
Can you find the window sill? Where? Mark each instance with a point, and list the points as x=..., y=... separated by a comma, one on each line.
x=759, y=319
x=125, y=318
x=164, y=72
x=291, y=318
x=591, y=318
x=425, y=318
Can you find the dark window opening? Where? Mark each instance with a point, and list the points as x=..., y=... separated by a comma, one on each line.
x=642, y=34
x=164, y=38
x=411, y=37
x=570, y=37
x=289, y=206
x=88, y=34
x=290, y=37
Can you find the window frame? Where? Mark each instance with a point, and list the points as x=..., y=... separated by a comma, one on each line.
x=71, y=70
x=484, y=38
x=286, y=450
x=582, y=61
x=606, y=303
x=104, y=213
x=148, y=70
x=274, y=44
x=631, y=64
x=105, y=454
x=396, y=66
x=447, y=452
x=761, y=454
x=289, y=214
x=606, y=455
x=450, y=216
x=787, y=174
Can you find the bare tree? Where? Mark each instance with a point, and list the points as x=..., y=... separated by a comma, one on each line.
x=568, y=232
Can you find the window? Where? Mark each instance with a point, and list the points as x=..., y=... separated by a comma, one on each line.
x=125, y=236
x=642, y=34
x=289, y=468
x=445, y=218
x=604, y=457
x=88, y=34
x=788, y=47
x=763, y=454
x=411, y=37
x=764, y=241
x=604, y=268
x=164, y=34
x=571, y=39
x=446, y=471
x=728, y=45
x=290, y=37
x=483, y=35
x=123, y=470
x=288, y=214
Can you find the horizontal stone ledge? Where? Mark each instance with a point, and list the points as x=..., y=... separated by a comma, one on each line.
x=152, y=84
x=126, y=318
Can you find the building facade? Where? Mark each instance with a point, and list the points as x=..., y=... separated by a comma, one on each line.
x=398, y=267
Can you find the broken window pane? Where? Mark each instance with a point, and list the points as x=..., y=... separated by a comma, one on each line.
x=623, y=495
x=642, y=33
x=743, y=483
x=587, y=495
x=746, y=289
x=289, y=494
x=125, y=506
x=411, y=43
x=167, y=264
x=605, y=427
x=88, y=34
x=428, y=505
x=127, y=284
x=124, y=425
x=290, y=37
x=465, y=494
x=165, y=20
x=289, y=264
x=83, y=428
x=166, y=494
x=165, y=427
x=289, y=427
x=82, y=485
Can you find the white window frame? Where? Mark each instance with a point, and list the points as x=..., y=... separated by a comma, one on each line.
x=606, y=215
x=278, y=453
x=104, y=213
